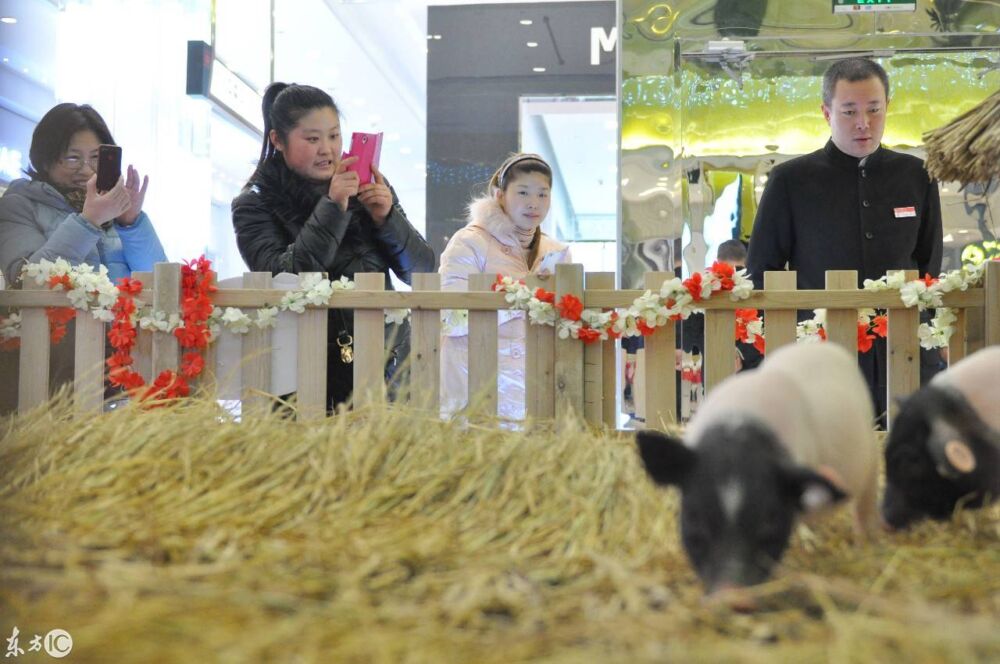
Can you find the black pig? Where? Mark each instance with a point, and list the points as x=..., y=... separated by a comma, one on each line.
x=944, y=446
x=794, y=436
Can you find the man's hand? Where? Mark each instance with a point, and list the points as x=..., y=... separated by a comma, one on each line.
x=99, y=209
x=376, y=198
x=136, y=196
x=343, y=184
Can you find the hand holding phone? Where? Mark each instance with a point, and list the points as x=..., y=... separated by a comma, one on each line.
x=109, y=167
x=367, y=148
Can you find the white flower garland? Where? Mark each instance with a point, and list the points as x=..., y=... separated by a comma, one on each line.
x=91, y=290
x=928, y=294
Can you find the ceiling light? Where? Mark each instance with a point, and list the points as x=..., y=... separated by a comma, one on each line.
x=437, y=36
x=526, y=21
x=532, y=44
x=538, y=69
x=9, y=20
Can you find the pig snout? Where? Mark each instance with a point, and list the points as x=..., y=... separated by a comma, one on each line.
x=897, y=513
x=735, y=597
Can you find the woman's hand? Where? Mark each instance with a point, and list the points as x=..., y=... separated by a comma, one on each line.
x=99, y=209
x=136, y=196
x=343, y=184
x=376, y=198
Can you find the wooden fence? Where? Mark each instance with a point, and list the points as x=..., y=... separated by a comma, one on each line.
x=562, y=375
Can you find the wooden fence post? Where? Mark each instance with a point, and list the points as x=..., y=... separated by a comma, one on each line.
x=780, y=326
x=569, y=351
x=719, y=353
x=540, y=361
x=166, y=298
x=595, y=357
x=33, y=376
x=659, y=366
x=483, y=351
x=903, y=364
x=88, y=371
x=369, y=345
x=425, y=345
x=842, y=324
x=143, y=350
x=255, y=367
x=311, y=361
x=991, y=311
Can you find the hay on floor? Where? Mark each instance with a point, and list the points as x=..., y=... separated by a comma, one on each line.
x=177, y=535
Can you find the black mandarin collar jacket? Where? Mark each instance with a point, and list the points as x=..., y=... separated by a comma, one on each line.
x=830, y=211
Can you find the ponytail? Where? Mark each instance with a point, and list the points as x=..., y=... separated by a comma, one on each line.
x=272, y=92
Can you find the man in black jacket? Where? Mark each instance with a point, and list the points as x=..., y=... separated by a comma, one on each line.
x=853, y=205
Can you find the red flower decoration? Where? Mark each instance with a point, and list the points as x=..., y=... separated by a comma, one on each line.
x=121, y=336
x=60, y=280
x=725, y=272
x=644, y=328
x=192, y=364
x=929, y=280
x=129, y=285
x=192, y=336
x=589, y=335
x=880, y=325
x=864, y=339
x=693, y=285
x=570, y=307
x=543, y=295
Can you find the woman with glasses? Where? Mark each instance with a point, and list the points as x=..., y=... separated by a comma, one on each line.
x=58, y=213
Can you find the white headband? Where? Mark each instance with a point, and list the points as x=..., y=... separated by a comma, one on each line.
x=518, y=158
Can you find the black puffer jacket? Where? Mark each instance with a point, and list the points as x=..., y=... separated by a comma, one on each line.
x=285, y=223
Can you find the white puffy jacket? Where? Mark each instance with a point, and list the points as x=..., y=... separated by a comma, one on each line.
x=488, y=244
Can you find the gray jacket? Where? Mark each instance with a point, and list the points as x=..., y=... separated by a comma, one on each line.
x=36, y=222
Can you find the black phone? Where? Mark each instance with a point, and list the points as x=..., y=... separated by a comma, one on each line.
x=109, y=167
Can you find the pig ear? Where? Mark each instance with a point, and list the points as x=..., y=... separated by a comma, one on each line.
x=952, y=456
x=667, y=459
x=812, y=491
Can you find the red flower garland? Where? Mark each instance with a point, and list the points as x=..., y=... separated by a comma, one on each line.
x=197, y=283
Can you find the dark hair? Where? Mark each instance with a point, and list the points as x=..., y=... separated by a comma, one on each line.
x=54, y=132
x=284, y=105
x=519, y=164
x=733, y=251
x=852, y=70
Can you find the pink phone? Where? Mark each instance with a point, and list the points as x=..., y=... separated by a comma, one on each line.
x=367, y=148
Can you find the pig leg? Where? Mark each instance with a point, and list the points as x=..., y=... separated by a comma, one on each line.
x=866, y=518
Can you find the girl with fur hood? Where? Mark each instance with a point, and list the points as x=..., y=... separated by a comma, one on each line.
x=503, y=236
x=303, y=211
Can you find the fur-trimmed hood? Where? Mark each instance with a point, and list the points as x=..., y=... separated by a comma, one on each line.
x=486, y=213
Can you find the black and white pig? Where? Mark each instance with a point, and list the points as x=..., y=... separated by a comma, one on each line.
x=791, y=437
x=944, y=446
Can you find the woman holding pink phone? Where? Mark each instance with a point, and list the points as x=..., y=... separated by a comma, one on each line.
x=304, y=210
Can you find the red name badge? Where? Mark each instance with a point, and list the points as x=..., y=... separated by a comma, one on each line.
x=903, y=212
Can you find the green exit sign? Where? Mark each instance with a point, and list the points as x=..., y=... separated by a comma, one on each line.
x=849, y=6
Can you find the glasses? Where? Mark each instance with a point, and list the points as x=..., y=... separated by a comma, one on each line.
x=75, y=163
